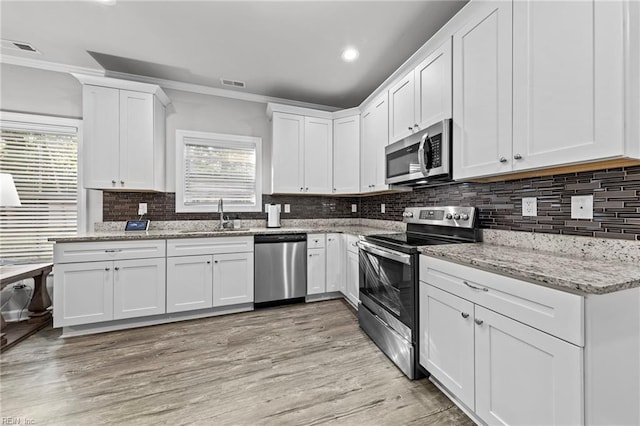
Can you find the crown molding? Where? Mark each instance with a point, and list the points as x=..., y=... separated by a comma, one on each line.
x=165, y=84
x=124, y=84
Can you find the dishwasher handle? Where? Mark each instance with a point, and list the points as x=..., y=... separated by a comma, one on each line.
x=279, y=238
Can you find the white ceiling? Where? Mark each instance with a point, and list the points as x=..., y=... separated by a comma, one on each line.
x=285, y=49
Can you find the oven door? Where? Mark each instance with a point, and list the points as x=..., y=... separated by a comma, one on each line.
x=387, y=277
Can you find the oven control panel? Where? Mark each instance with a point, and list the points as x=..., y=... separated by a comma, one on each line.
x=461, y=217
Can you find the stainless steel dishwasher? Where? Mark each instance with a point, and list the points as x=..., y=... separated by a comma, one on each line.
x=280, y=268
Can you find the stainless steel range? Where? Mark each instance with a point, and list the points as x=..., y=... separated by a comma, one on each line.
x=388, y=310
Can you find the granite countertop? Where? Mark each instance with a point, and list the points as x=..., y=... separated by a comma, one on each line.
x=565, y=272
x=162, y=234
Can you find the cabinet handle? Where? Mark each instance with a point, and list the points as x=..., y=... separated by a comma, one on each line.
x=117, y=268
x=113, y=251
x=517, y=157
x=107, y=269
x=474, y=287
x=464, y=315
x=478, y=321
x=503, y=160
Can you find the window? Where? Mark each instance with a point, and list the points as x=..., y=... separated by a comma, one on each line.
x=41, y=153
x=211, y=166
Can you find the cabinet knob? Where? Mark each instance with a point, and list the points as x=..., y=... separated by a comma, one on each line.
x=464, y=315
x=107, y=269
x=301, y=189
x=334, y=190
x=503, y=160
x=215, y=261
x=517, y=157
x=306, y=189
x=116, y=268
x=113, y=182
x=208, y=262
x=410, y=128
x=478, y=321
x=121, y=182
x=415, y=126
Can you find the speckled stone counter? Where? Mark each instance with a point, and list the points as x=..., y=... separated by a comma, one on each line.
x=562, y=262
x=202, y=229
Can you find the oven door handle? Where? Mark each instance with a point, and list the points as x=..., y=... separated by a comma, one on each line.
x=388, y=254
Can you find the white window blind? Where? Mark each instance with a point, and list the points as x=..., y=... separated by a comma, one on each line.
x=213, y=167
x=44, y=166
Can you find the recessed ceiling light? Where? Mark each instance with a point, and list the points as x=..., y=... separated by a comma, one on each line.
x=350, y=54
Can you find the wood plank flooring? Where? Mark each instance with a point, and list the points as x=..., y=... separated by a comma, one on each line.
x=304, y=364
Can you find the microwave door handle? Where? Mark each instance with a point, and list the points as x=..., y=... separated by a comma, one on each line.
x=423, y=165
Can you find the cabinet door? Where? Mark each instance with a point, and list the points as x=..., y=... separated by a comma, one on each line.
x=401, y=108
x=568, y=88
x=189, y=283
x=433, y=87
x=136, y=141
x=82, y=293
x=336, y=257
x=139, y=288
x=446, y=341
x=346, y=155
x=101, y=137
x=482, y=92
x=353, y=277
x=316, y=271
x=375, y=135
x=287, y=159
x=525, y=376
x=232, y=279
x=318, y=155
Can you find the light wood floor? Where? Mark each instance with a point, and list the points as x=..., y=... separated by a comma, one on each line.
x=297, y=365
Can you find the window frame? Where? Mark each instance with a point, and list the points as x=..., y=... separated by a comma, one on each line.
x=221, y=140
x=52, y=124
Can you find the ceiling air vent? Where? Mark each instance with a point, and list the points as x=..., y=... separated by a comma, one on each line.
x=233, y=83
x=19, y=45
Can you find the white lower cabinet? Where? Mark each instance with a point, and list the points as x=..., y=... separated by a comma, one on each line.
x=505, y=371
x=525, y=376
x=335, y=262
x=316, y=271
x=83, y=293
x=138, y=288
x=352, y=285
x=189, y=283
x=232, y=279
x=217, y=272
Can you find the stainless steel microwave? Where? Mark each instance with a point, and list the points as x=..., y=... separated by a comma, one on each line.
x=421, y=158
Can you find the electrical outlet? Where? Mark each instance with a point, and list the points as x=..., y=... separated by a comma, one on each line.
x=142, y=209
x=354, y=208
x=382, y=208
x=530, y=206
x=287, y=208
x=582, y=207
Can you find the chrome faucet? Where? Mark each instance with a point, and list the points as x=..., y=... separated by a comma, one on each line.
x=224, y=223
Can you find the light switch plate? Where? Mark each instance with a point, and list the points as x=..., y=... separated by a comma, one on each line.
x=142, y=209
x=354, y=208
x=530, y=206
x=382, y=208
x=582, y=207
x=287, y=208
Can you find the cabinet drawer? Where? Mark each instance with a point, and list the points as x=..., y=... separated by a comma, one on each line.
x=315, y=241
x=108, y=250
x=553, y=311
x=201, y=246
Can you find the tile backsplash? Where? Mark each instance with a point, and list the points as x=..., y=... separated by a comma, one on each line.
x=616, y=211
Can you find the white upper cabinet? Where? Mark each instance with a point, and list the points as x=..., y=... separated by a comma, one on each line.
x=302, y=152
x=287, y=153
x=433, y=88
x=346, y=155
x=375, y=132
x=568, y=87
x=124, y=134
x=423, y=96
x=401, y=108
x=318, y=155
x=482, y=92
